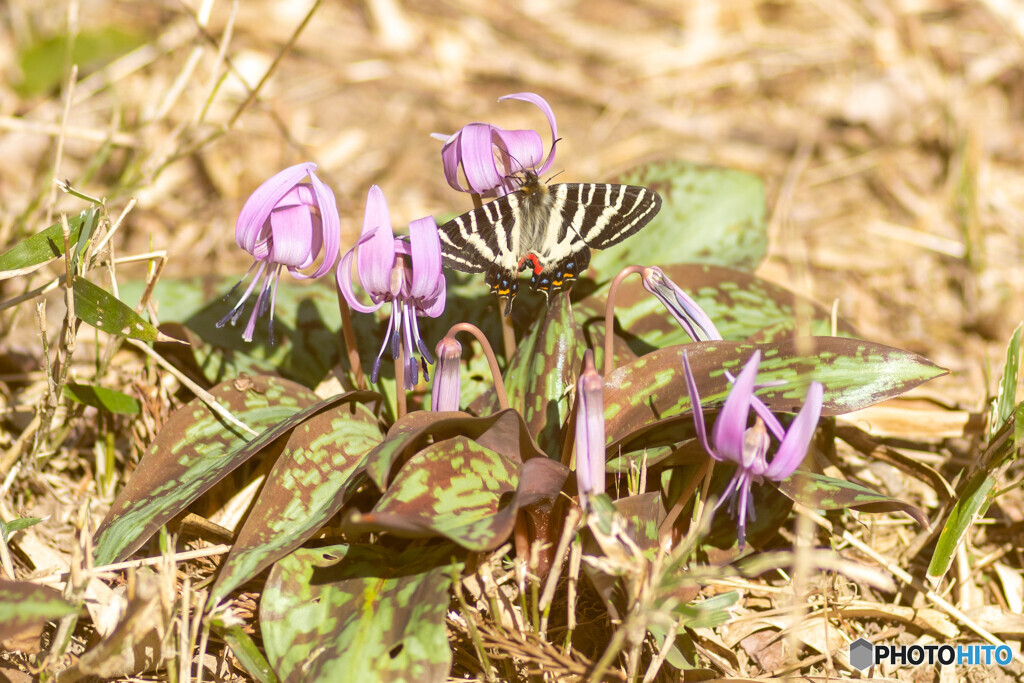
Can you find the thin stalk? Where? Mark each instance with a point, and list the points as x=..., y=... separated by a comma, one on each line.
x=348, y=337
x=492, y=361
x=665, y=530
x=571, y=519
x=609, y=317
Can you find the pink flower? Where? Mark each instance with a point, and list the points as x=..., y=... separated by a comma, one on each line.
x=590, y=446
x=748, y=447
x=490, y=156
x=285, y=222
x=403, y=271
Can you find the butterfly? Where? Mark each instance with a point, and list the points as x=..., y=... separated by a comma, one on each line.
x=547, y=229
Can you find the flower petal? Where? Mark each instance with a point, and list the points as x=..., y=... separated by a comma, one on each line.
x=343, y=278
x=794, y=447
x=330, y=225
x=376, y=255
x=261, y=202
x=731, y=424
x=477, y=156
x=292, y=229
x=546, y=108
x=425, y=245
x=522, y=148
x=696, y=409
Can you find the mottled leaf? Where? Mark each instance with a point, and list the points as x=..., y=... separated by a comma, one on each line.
x=540, y=379
x=464, y=491
x=360, y=613
x=193, y=451
x=100, y=397
x=708, y=215
x=966, y=509
x=104, y=311
x=26, y=606
x=855, y=373
x=503, y=432
x=302, y=491
x=743, y=307
x=820, y=492
x=45, y=245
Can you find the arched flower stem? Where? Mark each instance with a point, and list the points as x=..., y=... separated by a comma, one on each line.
x=348, y=338
x=609, y=316
x=492, y=361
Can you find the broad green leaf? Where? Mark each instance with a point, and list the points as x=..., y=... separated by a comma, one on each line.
x=104, y=311
x=303, y=490
x=8, y=528
x=24, y=606
x=639, y=396
x=462, y=490
x=360, y=613
x=820, y=492
x=109, y=400
x=243, y=647
x=42, y=62
x=1006, y=399
x=708, y=613
x=194, y=450
x=45, y=245
x=540, y=379
x=708, y=215
x=965, y=510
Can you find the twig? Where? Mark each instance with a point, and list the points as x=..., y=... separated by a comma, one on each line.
x=203, y=395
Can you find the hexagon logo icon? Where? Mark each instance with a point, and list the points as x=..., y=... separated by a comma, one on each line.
x=862, y=654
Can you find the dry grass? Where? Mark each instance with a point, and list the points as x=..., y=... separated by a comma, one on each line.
x=889, y=135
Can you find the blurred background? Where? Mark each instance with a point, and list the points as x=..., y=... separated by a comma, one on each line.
x=888, y=134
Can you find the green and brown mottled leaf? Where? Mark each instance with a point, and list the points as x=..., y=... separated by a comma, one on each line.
x=360, y=613
x=303, y=490
x=504, y=432
x=193, y=451
x=855, y=374
x=541, y=377
x=821, y=492
x=24, y=609
x=464, y=491
x=743, y=307
x=708, y=215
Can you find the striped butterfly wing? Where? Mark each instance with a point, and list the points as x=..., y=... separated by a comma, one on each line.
x=585, y=215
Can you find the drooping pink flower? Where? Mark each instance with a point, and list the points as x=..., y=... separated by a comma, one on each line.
x=491, y=156
x=405, y=272
x=690, y=316
x=747, y=447
x=287, y=222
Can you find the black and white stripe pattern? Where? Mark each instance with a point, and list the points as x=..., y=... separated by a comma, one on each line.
x=547, y=229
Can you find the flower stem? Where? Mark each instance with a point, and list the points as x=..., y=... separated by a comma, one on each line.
x=508, y=333
x=348, y=335
x=492, y=361
x=609, y=317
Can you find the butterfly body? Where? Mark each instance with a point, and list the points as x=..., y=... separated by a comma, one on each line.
x=546, y=229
